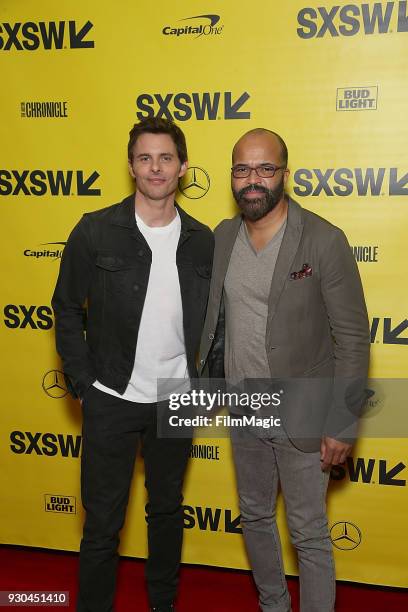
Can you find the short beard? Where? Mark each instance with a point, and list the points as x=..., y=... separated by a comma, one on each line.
x=254, y=210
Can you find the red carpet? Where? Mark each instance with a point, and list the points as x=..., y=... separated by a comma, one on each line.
x=201, y=589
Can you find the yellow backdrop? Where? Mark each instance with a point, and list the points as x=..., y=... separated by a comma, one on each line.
x=76, y=75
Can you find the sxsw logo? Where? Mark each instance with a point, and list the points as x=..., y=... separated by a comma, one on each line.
x=392, y=332
x=350, y=19
x=211, y=519
x=357, y=98
x=32, y=317
x=371, y=471
x=60, y=504
x=200, y=106
x=200, y=25
x=48, y=182
x=30, y=35
x=47, y=444
x=348, y=181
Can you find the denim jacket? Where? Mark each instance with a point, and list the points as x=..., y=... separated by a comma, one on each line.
x=101, y=289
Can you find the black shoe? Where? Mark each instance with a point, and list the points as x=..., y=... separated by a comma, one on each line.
x=169, y=608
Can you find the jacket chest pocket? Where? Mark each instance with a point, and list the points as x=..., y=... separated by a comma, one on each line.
x=118, y=273
x=194, y=283
x=301, y=284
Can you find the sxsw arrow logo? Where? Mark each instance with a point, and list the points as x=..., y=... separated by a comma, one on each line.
x=231, y=109
x=77, y=38
x=84, y=185
x=398, y=186
x=210, y=519
x=201, y=106
x=363, y=470
x=392, y=332
x=30, y=35
x=387, y=477
x=53, y=182
x=232, y=525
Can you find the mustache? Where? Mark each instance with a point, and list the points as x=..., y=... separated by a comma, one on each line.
x=242, y=192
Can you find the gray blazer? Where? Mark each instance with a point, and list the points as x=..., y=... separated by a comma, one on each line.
x=317, y=327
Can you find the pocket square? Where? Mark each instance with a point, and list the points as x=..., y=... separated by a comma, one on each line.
x=305, y=271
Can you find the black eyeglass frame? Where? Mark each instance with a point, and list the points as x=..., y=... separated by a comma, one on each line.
x=256, y=168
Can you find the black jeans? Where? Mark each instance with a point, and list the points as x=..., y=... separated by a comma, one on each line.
x=112, y=429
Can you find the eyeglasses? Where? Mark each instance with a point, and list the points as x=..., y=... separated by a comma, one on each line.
x=264, y=171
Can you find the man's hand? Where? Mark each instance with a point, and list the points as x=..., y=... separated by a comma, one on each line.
x=333, y=452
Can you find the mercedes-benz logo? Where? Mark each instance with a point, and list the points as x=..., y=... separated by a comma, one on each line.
x=54, y=384
x=345, y=535
x=195, y=183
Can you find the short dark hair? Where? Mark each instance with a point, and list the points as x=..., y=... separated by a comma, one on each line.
x=156, y=125
x=284, y=148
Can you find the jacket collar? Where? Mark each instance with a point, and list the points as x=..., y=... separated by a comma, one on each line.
x=295, y=213
x=124, y=216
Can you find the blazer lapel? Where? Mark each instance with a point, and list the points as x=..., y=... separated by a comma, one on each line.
x=287, y=252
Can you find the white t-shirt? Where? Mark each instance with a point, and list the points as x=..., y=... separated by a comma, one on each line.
x=160, y=350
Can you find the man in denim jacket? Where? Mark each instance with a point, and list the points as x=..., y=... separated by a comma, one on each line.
x=138, y=272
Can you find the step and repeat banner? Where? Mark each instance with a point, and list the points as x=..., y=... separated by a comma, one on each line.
x=331, y=78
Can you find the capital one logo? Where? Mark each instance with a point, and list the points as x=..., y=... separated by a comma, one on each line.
x=197, y=26
x=30, y=35
x=202, y=106
x=345, y=182
x=52, y=254
x=351, y=19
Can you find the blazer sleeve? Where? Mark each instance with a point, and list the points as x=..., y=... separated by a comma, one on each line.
x=69, y=304
x=343, y=296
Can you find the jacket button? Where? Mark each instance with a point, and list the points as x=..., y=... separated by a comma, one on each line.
x=140, y=253
x=211, y=336
x=136, y=287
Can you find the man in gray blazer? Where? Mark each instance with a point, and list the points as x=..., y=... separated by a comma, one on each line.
x=286, y=303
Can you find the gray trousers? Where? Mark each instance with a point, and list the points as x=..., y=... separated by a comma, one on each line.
x=260, y=465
